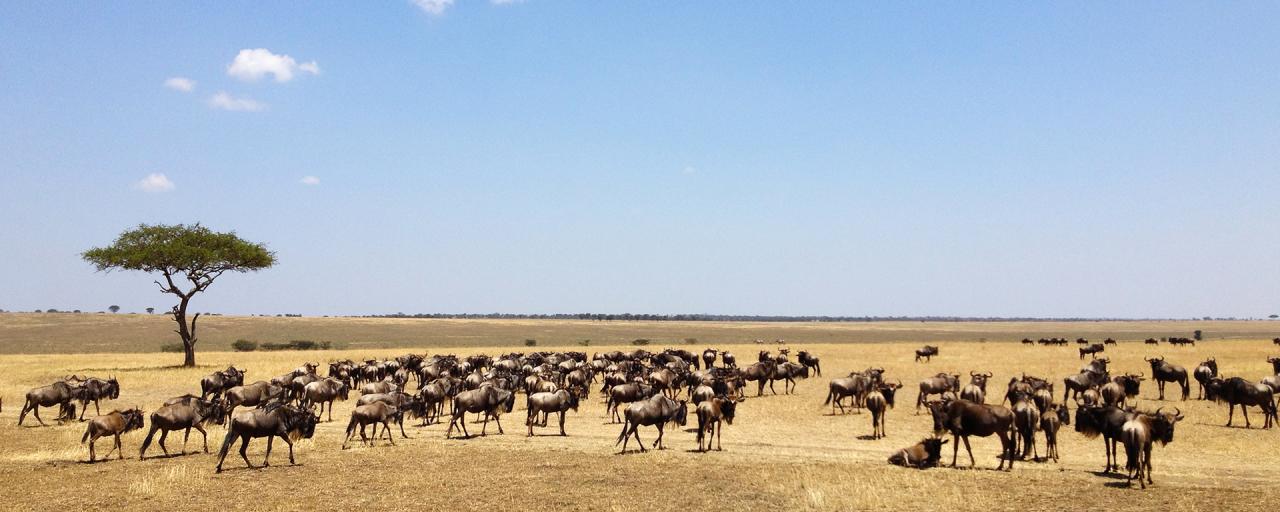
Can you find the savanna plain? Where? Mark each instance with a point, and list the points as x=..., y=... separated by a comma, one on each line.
x=783, y=452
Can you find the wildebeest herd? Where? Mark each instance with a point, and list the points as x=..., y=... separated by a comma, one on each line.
x=639, y=389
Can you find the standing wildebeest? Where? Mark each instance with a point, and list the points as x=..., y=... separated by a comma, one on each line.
x=808, y=359
x=926, y=353
x=855, y=385
x=728, y=359
x=709, y=358
x=788, y=372
x=1105, y=420
x=657, y=411
x=1163, y=372
x=1026, y=421
x=710, y=415
x=113, y=423
x=879, y=400
x=1052, y=420
x=1121, y=388
x=95, y=389
x=963, y=418
x=1138, y=433
x=938, y=384
x=194, y=413
x=1110, y=341
x=325, y=392
x=924, y=454
x=1275, y=364
x=1237, y=391
x=560, y=401
x=489, y=400
x=252, y=395
x=403, y=402
x=1091, y=350
x=274, y=420
x=58, y=393
x=220, y=381
x=625, y=394
x=976, y=390
x=1205, y=371
x=374, y=413
x=1151, y=341
x=761, y=373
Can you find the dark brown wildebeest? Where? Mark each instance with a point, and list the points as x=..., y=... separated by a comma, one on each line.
x=183, y=416
x=274, y=420
x=976, y=390
x=560, y=402
x=387, y=385
x=1091, y=350
x=1182, y=341
x=1089, y=397
x=1275, y=364
x=963, y=419
x=1151, y=341
x=298, y=386
x=855, y=385
x=728, y=359
x=657, y=411
x=95, y=389
x=924, y=454
x=1026, y=421
x=1107, y=421
x=59, y=393
x=926, y=353
x=808, y=359
x=879, y=401
x=372, y=414
x=1075, y=384
x=1121, y=389
x=709, y=358
x=1138, y=434
x=1163, y=372
x=1052, y=420
x=761, y=373
x=664, y=380
x=938, y=384
x=1027, y=341
x=488, y=400
x=1097, y=365
x=711, y=414
x=324, y=392
x=1108, y=341
x=625, y=394
x=1082, y=341
x=252, y=395
x=789, y=373
x=433, y=397
x=403, y=402
x=1205, y=371
x=1237, y=391
x=218, y=382
x=113, y=423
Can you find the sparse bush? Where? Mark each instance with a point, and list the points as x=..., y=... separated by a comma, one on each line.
x=641, y=341
x=171, y=347
x=530, y=343
x=244, y=346
x=585, y=343
x=691, y=341
x=296, y=345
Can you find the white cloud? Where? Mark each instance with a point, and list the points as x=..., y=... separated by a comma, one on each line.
x=155, y=182
x=225, y=101
x=178, y=83
x=309, y=180
x=252, y=65
x=433, y=7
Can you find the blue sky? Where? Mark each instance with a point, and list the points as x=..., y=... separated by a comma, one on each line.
x=843, y=158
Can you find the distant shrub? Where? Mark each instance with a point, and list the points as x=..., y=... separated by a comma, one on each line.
x=641, y=341
x=585, y=343
x=296, y=345
x=691, y=341
x=530, y=343
x=171, y=347
x=244, y=346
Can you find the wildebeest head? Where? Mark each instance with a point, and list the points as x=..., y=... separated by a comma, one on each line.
x=938, y=410
x=1212, y=364
x=1162, y=424
x=112, y=390
x=933, y=447
x=889, y=390
x=728, y=407
x=132, y=418
x=979, y=379
x=1130, y=382
x=1275, y=364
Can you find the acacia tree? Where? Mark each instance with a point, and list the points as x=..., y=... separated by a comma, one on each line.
x=113, y=308
x=194, y=254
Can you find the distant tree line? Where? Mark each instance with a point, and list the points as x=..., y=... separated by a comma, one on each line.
x=608, y=317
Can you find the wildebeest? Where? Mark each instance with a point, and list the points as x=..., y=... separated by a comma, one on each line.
x=1275, y=364
x=926, y=353
x=404, y=404
x=657, y=411
x=1138, y=434
x=963, y=418
x=252, y=395
x=324, y=392
x=59, y=393
x=1051, y=420
x=1237, y=391
x=1026, y=421
x=1084, y=380
x=1163, y=372
x=1205, y=371
x=728, y=359
x=976, y=390
x=560, y=401
x=1092, y=350
x=274, y=420
x=94, y=389
x=625, y=394
x=1109, y=341
x=809, y=359
x=1121, y=388
x=1182, y=341
x=924, y=454
x=114, y=424
x=712, y=414
x=186, y=415
x=760, y=372
x=879, y=401
x=220, y=381
x=1151, y=341
x=709, y=358
x=488, y=400
x=855, y=385
x=789, y=373
x=937, y=384
x=372, y=414
x=1107, y=421
x=1082, y=341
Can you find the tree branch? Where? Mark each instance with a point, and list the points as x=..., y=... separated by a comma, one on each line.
x=192, y=331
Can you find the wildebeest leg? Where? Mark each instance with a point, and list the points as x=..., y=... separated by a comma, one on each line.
x=498, y=419
x=142, y=452
x=244, y=449
x=96, y=410
x=203, y=435
x=266, y=461
x=955, y=448
x=92, y=453
x=972, y=462
x=400, y=423
x=635, y=430
x=287, y=442
x=719, y=431
x=386, y=427
x=23, y=415
x=774, y=391
x=1146, y=457
x=164, y=434
x=1231, y=412
x=185, y=434
x=562, y=413
x=658, y=443
x=119, y=448
x=365, y=439
x=1244, y=409
x=484, y=428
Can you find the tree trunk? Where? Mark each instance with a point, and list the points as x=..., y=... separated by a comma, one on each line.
x=187, y=333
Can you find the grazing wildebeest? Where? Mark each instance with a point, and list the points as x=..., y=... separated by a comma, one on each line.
x=1108, y=341
x=1151, y=341
x=1107, y=421
x=879, y=401
x=924, y=454
x=560, y=401
x=711, y=414
x=855, y=385
x=626, y=393
x=1163, y=372
x=1027, y=341
x=488, y=400
x=1138, y=434
x=709, y=358
x=1237, y=391
x=1091, y=350
x=274, y=420
x=808, y=359
x=95, y=389
x=58, y=393
x=113, y=423
x=657, y=411
x=194, y=413
x=252, y=395
x=218, y=382
x=1205, y=371
x=372, y=414
x=1052, y=420
x=963, y=418
x=937, y=384
x=926, y=353
x=1082, y=341
x=1026, y=421
x=324, y=392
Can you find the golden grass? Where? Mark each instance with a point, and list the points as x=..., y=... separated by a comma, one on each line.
x=784, y=452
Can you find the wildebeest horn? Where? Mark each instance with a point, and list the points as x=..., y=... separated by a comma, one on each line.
x=973, y=373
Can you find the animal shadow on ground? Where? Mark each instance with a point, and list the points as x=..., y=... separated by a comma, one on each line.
x=867, y=437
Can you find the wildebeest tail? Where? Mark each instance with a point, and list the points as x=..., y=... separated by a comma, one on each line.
x=623, y=435
x=85, y=438
x=830, y=393
x=226, y=445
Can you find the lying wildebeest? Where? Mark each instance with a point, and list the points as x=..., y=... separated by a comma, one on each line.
x=113, y=423
x=94, y=389
x=218, y=382
x=938, y=384
x=879, y=401
x=560, y=402
x=194, y=413
x=1163, y=372
x=924, y=454
x=1205, y=371
x=1082, y=341
x=325, y=392
x=657, y=411
x=274, y=420
x=1237, y=391
x=963, y=418
x=374, y=413
x=808, y=359
x=625, y=394
x=1091, y=350
x=1138, y=434
x=1051, y=421
x=60, y=394
x=926, y=353
x=252, y=395
x=711, y=414
x=488, y=400
x=1107, y=421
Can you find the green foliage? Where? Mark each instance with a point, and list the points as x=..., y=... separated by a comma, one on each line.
x=244, y=346
x=172, y=347
x=113, y=308
x=193, y=250
x=530, y=343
